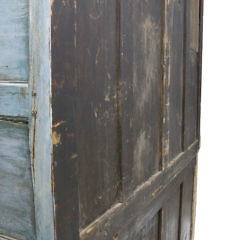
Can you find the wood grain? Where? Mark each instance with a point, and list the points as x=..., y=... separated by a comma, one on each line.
x=40, y=124
x=175, y=28
x=171, y=213
x=191, y=74
x=186, y=208
x=143, y=229
x=149, y=195
x=85, y=85
x=140, y=67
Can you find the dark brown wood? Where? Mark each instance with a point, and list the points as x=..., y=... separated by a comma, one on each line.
x=140, y=97
x=191, y=73
x=64, y=105
x=97, y=111
x=171, y=213
x=125, y=116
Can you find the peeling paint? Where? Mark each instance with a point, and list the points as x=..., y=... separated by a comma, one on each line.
x=58, y=124
x=56, y=138
x=74, y=156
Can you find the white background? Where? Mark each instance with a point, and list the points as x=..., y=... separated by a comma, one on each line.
x=218, y=201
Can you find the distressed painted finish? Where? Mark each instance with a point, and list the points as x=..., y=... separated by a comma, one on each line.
x=14, y=100
x=16, y=201
x=14, y=40
x=17, y=210
x=40, y=123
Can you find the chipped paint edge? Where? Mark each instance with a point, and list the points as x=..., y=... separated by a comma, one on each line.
x=40, y=118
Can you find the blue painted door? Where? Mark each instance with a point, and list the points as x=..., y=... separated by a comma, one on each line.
x=16, y=185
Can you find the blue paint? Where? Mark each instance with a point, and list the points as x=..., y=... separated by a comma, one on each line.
x=25, y=66
x=16, y=201
x=14, y=100
x=40, y=82
x=14, y=40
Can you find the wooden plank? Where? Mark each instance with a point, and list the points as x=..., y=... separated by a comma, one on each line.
x=173, y=79
x=140, y=67
x=171, y=213
x=84, y=40
x=176, y=28
x=14, y=100
x=64, y=89
x=150, y=192
x=16, y=202
x=98, y=132
x=14, y=40
x=191, y=73
x=186, y=208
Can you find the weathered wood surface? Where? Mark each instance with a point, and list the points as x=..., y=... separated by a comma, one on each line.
x=130, y=95
x=90, y=116
x=173, y=79
x=16, y=201
x=40, y=123
x=144, y=229
x=150, y=192
x=14, y=40
x=14, y=100
x=108, y=101
x=186, y=206
x=140, y=84
x=191, y=72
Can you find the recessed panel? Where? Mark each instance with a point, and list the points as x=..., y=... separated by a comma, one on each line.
x=14, y=40
x=16, y=195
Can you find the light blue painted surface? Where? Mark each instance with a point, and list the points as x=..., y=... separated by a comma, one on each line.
x=17, y=211
x=18, y=63
x=14, y=40
x=40, y=82
x=16, y=193
x=14, y=100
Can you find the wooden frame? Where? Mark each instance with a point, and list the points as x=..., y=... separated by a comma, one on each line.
x=40, y=119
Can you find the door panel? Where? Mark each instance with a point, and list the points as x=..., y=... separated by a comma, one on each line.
x=16, y=184
x=14, y=40
x=14, y=100
x=16, y=195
